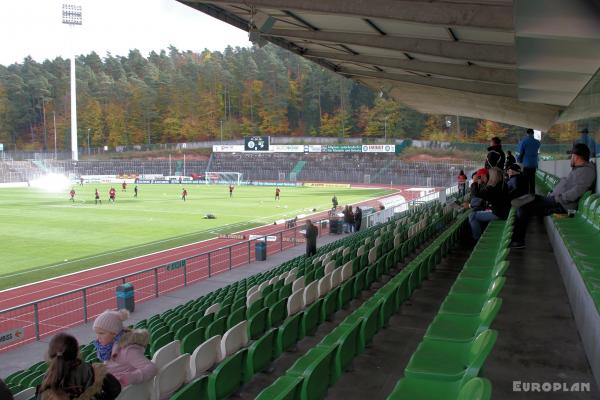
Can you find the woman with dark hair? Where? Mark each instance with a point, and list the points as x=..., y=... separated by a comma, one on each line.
x=70, y=378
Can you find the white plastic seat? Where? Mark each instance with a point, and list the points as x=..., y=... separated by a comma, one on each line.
x=284, y=275
x=253, y=297
x=329, y=267
x=166, y=354
x=141, y=391
x=273, y=280
x=251, y=290
x=294, y=271
x=372, y=256
x=298, y=284
x=295, y=302
x=262, y=286
x=346, y=251
x=171, y=377
x=25, y=394
x=324, y=285
x=289, y=279
x=336, y=278
x=347, y=271
x=311, y=293
x=234, y=339
x=213, y=309
x=377, y=242
x=204, y=357
x=397, y=241
x=360, y=251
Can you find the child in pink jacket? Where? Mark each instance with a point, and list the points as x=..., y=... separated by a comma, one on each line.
x=122, y=349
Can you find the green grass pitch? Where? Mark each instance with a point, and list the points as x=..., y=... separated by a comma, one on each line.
x=45, y=235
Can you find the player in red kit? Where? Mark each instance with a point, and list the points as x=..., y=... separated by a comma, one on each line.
x=183, y=194
x=277, y=191
x=97, y=197
x=72, y=193
x=111, y=194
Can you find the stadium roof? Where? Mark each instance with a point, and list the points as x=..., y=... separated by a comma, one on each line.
x=521, y=62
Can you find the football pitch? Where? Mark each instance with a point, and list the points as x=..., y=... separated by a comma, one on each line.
x=44, y=234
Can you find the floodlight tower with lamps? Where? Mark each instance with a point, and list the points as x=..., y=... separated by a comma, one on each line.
x=71, y=15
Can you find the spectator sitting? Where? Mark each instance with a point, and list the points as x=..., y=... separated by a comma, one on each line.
x=510, y=159
x=70, y=378
x=496, y=145
x=586, y=139
x=477, y=203
x=492, y=189
x=516, y=185
x=121, y=349
x=564, y=197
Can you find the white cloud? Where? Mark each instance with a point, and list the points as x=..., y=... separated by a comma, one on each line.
x=34, y=27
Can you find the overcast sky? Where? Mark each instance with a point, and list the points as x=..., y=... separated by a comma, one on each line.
x=34, y=27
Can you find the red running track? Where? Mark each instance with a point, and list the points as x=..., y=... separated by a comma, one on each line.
x=69, y=310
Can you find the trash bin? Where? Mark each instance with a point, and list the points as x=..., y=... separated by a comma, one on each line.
x=335, y=226
x=261, y=251
x=125, y=298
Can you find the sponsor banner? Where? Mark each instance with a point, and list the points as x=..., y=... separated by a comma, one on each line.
x=261, y=238
x=314, y=148
x=299, y=239
x=176, y=265
x=378, y=148
x=228, y=148
x=127, y=176
x=231, y=236
x=282, y=184
x=12, y=336
x=286, y=148
x=327, y=185
x=341, y=148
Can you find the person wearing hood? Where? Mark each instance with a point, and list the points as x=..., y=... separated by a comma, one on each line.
x=122, y=349
x=564, y=197
x=496, y=145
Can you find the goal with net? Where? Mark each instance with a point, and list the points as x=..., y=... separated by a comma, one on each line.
x=223, y=178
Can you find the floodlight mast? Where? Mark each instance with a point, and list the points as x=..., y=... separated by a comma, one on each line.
x=71, y=15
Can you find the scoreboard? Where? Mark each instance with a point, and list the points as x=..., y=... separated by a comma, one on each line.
x=256, y=143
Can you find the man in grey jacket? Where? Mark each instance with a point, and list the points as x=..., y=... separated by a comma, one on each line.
x=564, y=197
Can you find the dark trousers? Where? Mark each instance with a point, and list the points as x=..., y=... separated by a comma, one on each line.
x=541, y=206
x=529, y=174
x=311, y=250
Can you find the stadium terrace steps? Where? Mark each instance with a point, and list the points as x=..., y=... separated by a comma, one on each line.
x=191, y=323
x=297, y=168
x=311, y=375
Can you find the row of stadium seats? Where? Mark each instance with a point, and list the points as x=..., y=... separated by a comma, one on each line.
x=214, y=314
x=579, y=234
x=448, y=361
x=318, y=369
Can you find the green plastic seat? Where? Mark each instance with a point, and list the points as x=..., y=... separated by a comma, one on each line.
x=217, y=327
x=450, y=361
x=271, y=299
x=285, y=291
x=192, y=340
x=260, y=354
x=433, y=389
x=184, y=330
x=368, y=313
x=277, y=313
x=345, y=339
x=205, y=321
x=157, y=343
x=329, y=305
x=463, y=328
x=158, y=332
x=310, y=319
x=254, y=308
x=195, y=390
x=286, y=387
x=478, y=286
x=227, y=377
x=315, y=369
x=236, y=316
x=257, y=324
x=346, y=293
x=288, y=334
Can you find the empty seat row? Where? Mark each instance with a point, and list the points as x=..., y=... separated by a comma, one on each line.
x=448, y=361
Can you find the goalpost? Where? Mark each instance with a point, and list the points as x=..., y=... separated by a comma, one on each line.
x=223, y=178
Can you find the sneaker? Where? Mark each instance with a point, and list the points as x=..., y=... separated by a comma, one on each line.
x=516, y=245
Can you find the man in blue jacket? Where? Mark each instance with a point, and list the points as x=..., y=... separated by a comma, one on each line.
x=528, y=156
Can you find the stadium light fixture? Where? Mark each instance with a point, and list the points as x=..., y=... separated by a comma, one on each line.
x=72, y=16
